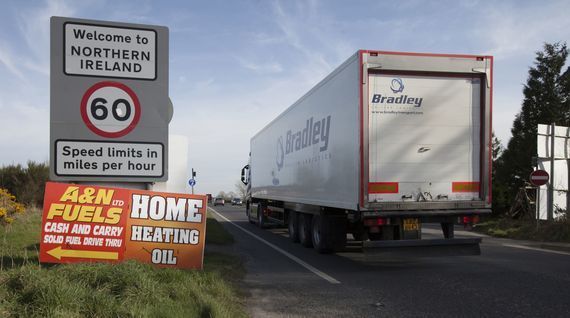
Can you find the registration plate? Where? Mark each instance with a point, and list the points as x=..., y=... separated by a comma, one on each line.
x=411, y=225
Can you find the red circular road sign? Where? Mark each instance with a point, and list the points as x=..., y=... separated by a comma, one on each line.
x=110, y=109
x=539, y=177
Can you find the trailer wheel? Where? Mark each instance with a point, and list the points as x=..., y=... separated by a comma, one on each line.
x=322, y=234
x=261, y=220
x=294, y=226
x=305, y=230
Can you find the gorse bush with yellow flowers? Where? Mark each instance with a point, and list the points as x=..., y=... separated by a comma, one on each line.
x=9, y=207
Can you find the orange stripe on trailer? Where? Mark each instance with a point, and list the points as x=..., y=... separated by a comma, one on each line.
x=383, y=187
x=465, y=187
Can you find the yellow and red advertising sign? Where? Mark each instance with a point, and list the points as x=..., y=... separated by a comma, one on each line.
x=84, y=223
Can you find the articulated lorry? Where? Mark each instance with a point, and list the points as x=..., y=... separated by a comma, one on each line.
x=385, y=143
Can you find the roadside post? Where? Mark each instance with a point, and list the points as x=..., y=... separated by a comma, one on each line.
x=550, y=210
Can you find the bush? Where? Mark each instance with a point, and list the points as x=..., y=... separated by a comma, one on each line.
x=524, y=229
x=8, y=207
x=27, y=184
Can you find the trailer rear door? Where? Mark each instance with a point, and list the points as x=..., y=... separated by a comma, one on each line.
x=424, y=137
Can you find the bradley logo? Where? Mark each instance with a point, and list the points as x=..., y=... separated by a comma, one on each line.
x=397, y=86
x=280, y=154
x=315, y=132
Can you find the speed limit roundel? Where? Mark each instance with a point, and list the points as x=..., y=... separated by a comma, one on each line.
x=110, y=109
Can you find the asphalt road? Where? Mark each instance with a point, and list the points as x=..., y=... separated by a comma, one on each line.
x=287, y=280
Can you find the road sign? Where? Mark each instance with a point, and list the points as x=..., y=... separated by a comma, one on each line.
x=192, y=182
x=110, y=108
x=94, y=224
x=539, y=177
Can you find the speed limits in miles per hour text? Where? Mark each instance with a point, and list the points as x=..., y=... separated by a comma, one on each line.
x=112, y=159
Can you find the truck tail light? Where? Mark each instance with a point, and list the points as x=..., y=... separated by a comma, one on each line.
x=375, y=222
x=471, y=219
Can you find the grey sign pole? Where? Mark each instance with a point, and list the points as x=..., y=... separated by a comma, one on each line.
x=550, y=207
x=110, y=108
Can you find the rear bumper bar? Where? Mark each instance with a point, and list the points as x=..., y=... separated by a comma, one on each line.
x=423, y=248
x=422, y=213
x=427, y=205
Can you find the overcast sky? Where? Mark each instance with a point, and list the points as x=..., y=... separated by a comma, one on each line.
x=235, y=65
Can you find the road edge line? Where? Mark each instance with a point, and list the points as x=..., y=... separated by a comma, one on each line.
x=536, y=249
x=294, y=258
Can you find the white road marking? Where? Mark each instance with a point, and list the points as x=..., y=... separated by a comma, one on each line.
x=294, y=258
x=536, y=249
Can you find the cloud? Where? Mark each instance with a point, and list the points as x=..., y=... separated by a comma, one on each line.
x=35, y=28
x=24, y=132
x=524, y=29
x=261, y=68
x=9, y=62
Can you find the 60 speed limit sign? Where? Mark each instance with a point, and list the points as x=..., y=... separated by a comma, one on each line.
x=110, y=109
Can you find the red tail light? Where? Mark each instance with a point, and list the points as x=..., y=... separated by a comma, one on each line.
x=471, y=219
x=375, y=222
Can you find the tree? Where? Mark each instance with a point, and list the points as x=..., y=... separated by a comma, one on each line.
x=499, y=189
x=546, y=100
x=497, y=149
x=241, y=189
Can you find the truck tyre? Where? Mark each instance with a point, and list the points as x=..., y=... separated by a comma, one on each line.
x=294, y=226
x=305, y=230
x=261, y=219
x=322, y=235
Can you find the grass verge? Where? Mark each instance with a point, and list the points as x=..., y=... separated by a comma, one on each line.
x=555, y=231
x=215, y=232
x=128, y=289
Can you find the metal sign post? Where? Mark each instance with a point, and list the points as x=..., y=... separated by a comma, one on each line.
x=550, y=207
x=192, y=181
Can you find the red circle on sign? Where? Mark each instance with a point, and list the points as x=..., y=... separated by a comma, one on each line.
x=539, y=177
x=97, y=130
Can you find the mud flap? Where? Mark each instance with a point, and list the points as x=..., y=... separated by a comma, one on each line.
x=423, y=248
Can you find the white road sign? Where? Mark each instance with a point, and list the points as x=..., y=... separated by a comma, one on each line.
x=110, y=109
x=111, y=159
x=96, y=50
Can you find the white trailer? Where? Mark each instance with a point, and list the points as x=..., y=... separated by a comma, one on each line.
x=386, y=142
